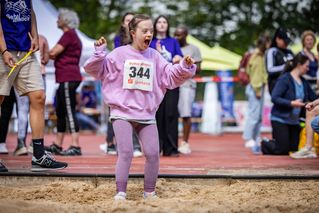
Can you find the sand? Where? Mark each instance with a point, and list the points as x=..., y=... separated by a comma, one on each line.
x=52, y=194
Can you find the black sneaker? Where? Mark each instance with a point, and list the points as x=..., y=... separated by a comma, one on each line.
x=72, y=151
x=54, y=149
x=46, y=162
x=111, y=149
x=3, y=168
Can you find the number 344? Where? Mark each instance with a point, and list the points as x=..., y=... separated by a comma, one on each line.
x=140, y=72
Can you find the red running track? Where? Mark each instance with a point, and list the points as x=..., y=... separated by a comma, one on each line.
x=211, y=155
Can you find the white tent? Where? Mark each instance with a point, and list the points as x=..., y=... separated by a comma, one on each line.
x=47, y=16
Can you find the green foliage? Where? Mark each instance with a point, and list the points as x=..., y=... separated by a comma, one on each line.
x=234, y=24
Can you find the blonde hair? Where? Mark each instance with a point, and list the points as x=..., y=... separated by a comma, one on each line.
x=305, y=34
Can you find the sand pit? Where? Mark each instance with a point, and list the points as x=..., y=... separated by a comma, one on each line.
x=52, y=194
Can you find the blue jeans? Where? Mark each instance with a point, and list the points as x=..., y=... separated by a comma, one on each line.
x=253, y=115
x=315, y=124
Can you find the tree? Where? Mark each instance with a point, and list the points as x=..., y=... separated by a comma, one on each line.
x=233, y=24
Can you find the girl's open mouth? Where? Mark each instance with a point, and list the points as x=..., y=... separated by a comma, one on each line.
x=147, y=41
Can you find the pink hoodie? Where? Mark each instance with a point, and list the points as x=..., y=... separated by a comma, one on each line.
x=136, y=104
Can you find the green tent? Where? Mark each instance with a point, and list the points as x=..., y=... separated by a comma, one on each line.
x=297, y=47
x=216, y=58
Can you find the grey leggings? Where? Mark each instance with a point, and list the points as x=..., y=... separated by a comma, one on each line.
x=148, y=136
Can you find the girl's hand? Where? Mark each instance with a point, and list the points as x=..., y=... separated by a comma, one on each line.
x=188, y=60
x=100, y=42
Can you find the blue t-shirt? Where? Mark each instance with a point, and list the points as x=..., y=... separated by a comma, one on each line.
x=16, y=24
x=170, y=48
x=117, y=41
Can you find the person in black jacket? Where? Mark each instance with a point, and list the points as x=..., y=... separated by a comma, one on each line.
x=289, y=96
x=277, y=55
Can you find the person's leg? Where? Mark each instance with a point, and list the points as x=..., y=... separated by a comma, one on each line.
x=70, y=100
x=29, y=82
x=315, y=124
x=23, y=114
x=171, y=120
x=123, y=133
x=109, y=133
x=281, y=134
x=37, y=100
x=252, y=116
x=149, y=139
x=185, y=102
x=312, y=124
x=70, y=105
x=294, y=137
x=5, y=87
x=60, y=110
x=187, y=124
x=161, y=127
x=5, y=116
x=310, y=119
x=259, y=113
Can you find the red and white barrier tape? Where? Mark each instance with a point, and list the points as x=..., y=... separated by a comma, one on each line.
x=215, y=79
x=197, y=79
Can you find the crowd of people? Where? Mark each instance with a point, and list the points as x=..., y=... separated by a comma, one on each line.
x=292, y=82
x=147, y=85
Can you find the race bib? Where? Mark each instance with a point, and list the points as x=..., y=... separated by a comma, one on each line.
x=138, y=74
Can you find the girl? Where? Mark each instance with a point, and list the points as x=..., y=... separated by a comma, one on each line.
x=255, y=94
x=167, y=114
x=134, y=80
x=123, y=38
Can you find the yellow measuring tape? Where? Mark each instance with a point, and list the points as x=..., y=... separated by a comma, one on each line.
x=19, y=62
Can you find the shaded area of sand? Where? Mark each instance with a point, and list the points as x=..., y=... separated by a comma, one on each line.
x=47, y=194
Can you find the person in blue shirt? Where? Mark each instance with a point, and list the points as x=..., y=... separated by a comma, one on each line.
x=167, y=114
x=123, y=37
x=18, y=41
x=289, y=96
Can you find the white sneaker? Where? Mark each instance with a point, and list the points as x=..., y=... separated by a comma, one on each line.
x=184, y=148
x=305, y=152
x=250, y=143
x=150, y=195
x=120, y=196
x=103, y=147
x=3, y=148
x=137, y=153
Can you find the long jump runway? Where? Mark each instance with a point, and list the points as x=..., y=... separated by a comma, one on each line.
x=212, y=157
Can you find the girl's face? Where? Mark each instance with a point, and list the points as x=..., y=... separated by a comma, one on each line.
x=281, y=43
x=309, y=42
x=143, y=34
x=127, y=20
x=161, y=25
x=304, y=67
